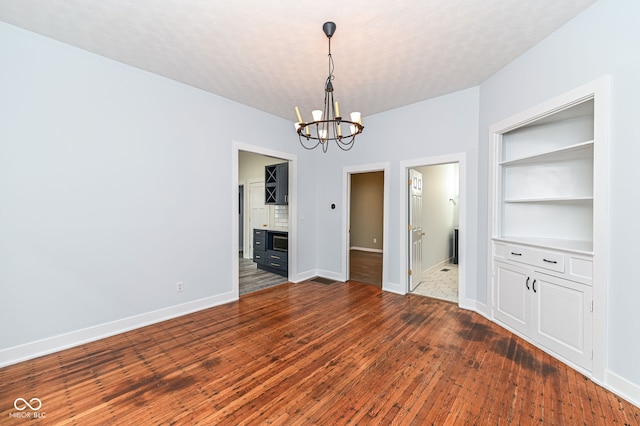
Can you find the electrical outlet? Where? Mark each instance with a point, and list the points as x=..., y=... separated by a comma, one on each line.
x=375, y=240
x=179, y=286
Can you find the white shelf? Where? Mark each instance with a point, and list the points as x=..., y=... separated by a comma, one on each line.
x=572, y=152
x=549, y=200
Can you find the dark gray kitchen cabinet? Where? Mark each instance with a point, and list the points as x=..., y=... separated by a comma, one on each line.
x=270, y=251
x=276, y=184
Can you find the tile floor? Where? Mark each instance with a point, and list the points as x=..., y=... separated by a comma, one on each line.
x=440, y=284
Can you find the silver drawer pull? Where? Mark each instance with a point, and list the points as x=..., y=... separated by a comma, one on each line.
x=275, y=264
x=550, y=261
x=516, y=254
x=275, y=257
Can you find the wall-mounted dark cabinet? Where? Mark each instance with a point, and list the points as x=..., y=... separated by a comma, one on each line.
x=276, y=184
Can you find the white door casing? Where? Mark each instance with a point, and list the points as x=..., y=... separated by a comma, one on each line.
x=346, y=194
x=415, y=228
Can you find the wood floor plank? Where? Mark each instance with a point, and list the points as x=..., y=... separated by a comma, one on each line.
x=365, y=267
x=308, y=353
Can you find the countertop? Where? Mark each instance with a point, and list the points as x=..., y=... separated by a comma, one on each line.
x=274, y=229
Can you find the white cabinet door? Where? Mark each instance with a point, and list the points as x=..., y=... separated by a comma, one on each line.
x=511, y=298
x=562, y=317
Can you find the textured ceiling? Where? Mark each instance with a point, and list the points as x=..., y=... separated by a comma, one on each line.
x=272, y=55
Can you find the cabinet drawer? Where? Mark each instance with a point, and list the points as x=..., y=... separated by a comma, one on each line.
x=546, y=259
x=277, y=260
x=500, y=250
x=259, y=234
x=260, y=257
x=282, y=266
x=580, y=269
x=277, y=256
x=259, y=239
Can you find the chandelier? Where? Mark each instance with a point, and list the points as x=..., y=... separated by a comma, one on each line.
x=327, y=123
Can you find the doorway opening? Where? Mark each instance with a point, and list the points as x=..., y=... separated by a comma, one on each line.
x=435, y=223
x=366, y=226
x=254, y=213
x=366, y=223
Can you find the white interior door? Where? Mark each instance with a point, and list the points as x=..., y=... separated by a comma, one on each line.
x=415, y=228
x=259, y=216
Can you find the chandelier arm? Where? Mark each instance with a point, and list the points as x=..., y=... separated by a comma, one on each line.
x=346, y=146
x=308, y=147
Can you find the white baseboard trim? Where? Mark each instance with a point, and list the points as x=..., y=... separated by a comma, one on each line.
x=370, y=250
x=437, y=266
x=305, y=276
x=330, y=275
x=468, y=304
x=482, y=308
x=393, y=288
x=53, y=344
x=622, y=387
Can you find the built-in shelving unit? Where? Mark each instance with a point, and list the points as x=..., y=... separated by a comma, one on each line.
x=545, y=179
x=546, y=205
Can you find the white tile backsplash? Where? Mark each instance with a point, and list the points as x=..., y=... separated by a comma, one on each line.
x=281, y=216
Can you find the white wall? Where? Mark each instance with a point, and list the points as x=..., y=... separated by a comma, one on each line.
x=115, y=184
x=251, y=165
x=605, y=39
x=437, y=127
x=439, y=215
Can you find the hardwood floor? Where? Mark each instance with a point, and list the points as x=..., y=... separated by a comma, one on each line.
x=312, y=354
x=365, y=267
